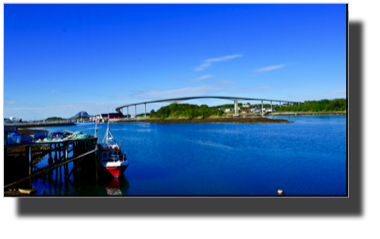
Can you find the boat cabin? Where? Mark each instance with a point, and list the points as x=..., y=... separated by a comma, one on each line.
x=112, y=156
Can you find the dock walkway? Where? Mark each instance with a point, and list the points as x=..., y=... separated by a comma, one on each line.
x=61, y=150
x=40, y=124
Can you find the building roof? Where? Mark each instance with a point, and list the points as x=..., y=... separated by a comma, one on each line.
x=112, y=114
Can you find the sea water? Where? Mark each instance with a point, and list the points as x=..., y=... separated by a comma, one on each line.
x=303, y=158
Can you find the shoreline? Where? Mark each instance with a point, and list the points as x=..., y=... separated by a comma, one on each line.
x=244, y=118
x=208, y=120
x=306, y=113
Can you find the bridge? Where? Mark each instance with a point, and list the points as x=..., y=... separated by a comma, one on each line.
x=177, y=100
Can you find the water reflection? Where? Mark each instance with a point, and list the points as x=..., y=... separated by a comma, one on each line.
x=113, y=188
x=117, y=186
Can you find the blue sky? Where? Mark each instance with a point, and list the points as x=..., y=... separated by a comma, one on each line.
x=62, y=59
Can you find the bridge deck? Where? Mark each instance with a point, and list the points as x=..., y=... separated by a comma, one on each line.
x=203, y=97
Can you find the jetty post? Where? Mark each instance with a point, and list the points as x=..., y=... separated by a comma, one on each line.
x=262, y=108
x=28, y=154
x=271, y=108
x=96, y=163
x=65, y=151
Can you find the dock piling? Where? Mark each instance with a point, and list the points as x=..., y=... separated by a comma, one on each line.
x=29, y=155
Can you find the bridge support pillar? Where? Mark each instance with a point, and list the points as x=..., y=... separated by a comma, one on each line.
x=135, y=112
x=145, y=110
x=236, y=109
x=262, y=109
x=280, y=104
x=127, y=113
x=271, y=107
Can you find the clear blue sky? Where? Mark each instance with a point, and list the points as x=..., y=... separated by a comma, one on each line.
x=62, y=59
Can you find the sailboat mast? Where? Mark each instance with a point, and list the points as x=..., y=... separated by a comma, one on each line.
x=108, y=128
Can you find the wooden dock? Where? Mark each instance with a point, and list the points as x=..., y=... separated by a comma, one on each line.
x=16, y=163
x=40, y=124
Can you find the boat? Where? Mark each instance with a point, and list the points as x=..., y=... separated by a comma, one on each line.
x=111, y=158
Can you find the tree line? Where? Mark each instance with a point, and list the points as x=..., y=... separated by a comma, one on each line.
x=316, y=106
x=192, y=111
x=185, y=110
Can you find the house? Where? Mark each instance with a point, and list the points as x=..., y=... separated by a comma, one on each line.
x=252, y=110
x=227, y=110
x=95, y=117
x=112, y=116
x=221, y=109
x=247, y=105
x=244, y=111
x=258, y=110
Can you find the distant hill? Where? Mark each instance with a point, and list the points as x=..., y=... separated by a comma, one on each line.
x=80, y=114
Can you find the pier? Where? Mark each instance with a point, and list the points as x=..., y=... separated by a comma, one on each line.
x=20, y=161
x=40, y=124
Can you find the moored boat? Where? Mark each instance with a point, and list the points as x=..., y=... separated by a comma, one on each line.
x=111, y=158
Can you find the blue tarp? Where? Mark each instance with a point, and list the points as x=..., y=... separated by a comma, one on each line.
x=38, y=135
x=13, y=134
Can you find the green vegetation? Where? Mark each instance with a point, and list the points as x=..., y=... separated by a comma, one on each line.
x=54, y=119
x=82, y=117
x=185, y=110
x=193, y=111
x=316, y=106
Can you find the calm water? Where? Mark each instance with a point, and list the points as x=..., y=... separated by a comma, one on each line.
x=307, y=157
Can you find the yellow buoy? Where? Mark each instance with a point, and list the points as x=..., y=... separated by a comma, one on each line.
x=279, y=192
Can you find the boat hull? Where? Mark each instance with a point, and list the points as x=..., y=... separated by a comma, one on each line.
x=115, y=171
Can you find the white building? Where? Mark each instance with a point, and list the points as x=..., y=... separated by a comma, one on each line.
x=96, y=117
x=14, y=119
x=227, y=110
x=247, y=105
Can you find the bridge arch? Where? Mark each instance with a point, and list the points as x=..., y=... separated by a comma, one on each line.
x=177, y=100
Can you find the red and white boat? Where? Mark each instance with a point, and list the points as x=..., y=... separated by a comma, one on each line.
x=111, y=158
